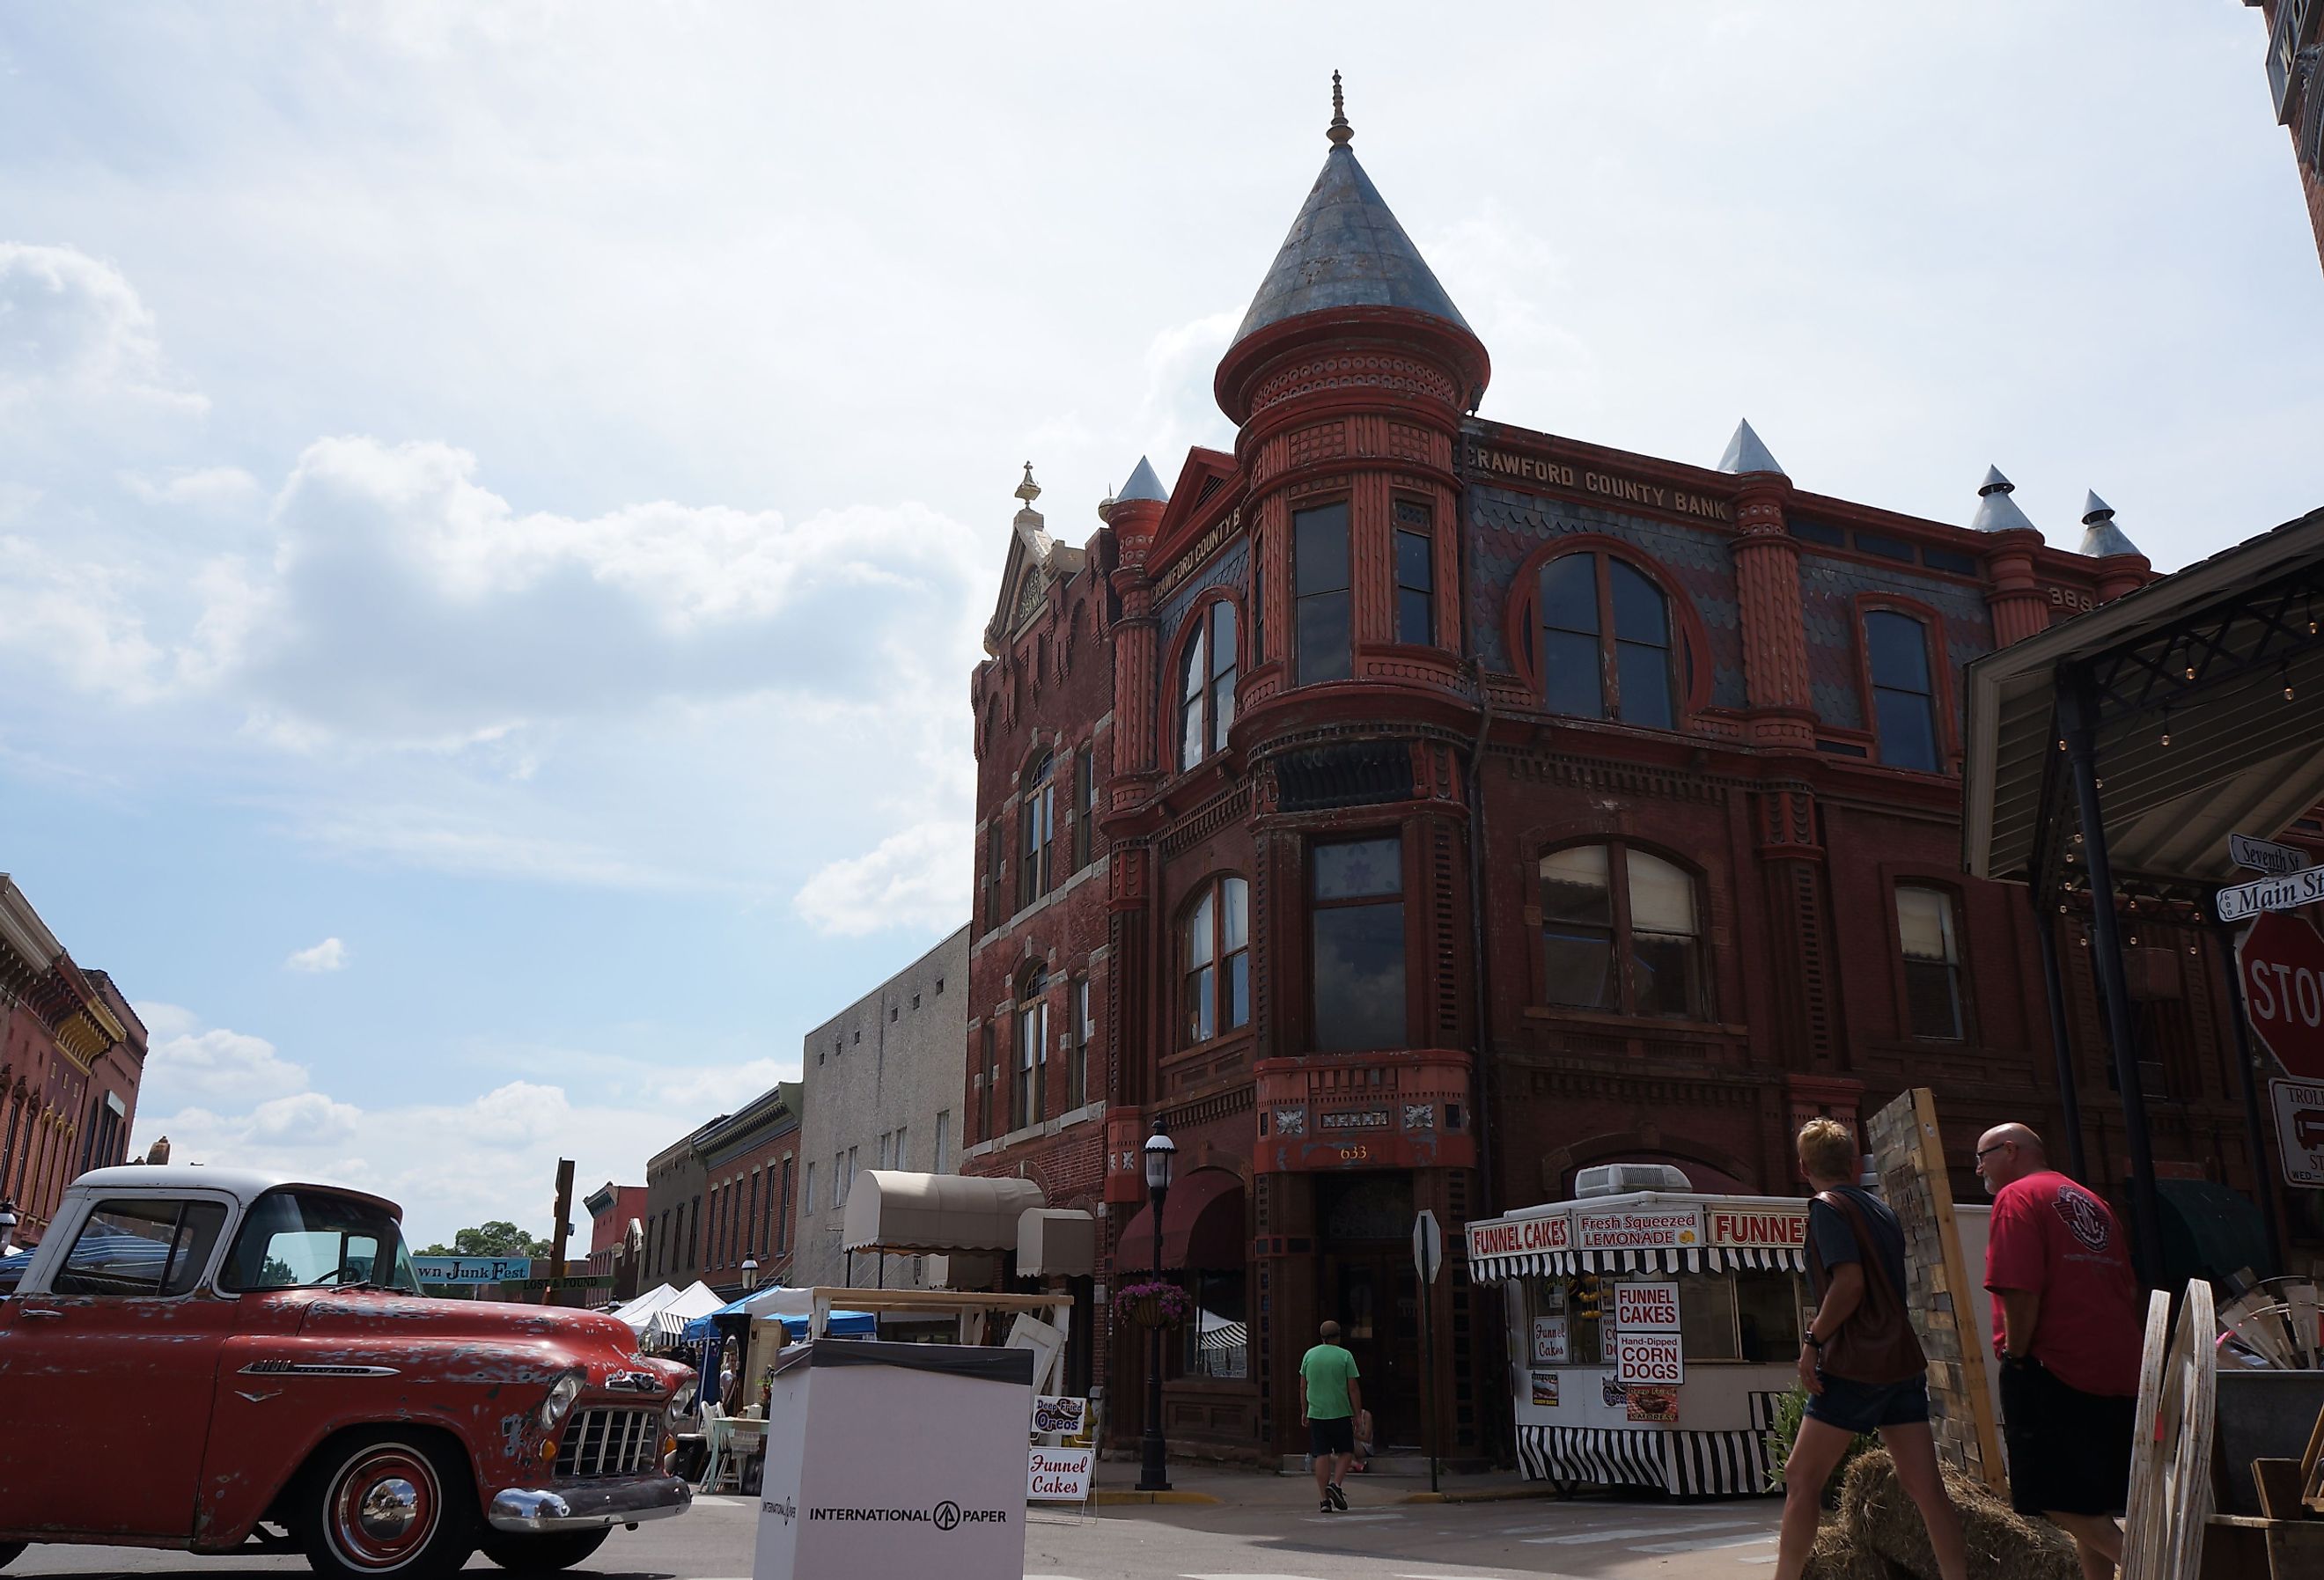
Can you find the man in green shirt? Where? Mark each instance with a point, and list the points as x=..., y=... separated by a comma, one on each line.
x=1329, y=1399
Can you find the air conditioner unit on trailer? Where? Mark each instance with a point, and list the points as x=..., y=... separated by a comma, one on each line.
x=1622, y=1179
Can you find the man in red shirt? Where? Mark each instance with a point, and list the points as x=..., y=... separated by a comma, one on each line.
x=2066, y=1327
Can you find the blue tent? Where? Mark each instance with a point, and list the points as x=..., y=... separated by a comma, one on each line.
x=842, y=1324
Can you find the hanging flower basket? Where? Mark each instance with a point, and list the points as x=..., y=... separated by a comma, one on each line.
x=1153, y=1304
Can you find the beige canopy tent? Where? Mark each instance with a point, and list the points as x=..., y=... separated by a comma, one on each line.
x=888, y=1210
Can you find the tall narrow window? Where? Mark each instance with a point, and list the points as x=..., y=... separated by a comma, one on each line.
x=1356, y=888
x=1036, y=825
x=903, y=1153
x=1621, y=931
x=987, y=1077
x=1084, y=808
x=944, y=1141
x=1214, y=956
x=1080, y=1031
x=1206, y=687
x=1606, y=644
x=1415, y=576
x=1321, y=608
x=783, y=1222
x=1933, y=994
x=1904, y=702
x=1032, y=1051
x=996, y=879
x=1257, y=606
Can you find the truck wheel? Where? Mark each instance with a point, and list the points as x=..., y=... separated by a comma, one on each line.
x=10, y=1552
x=385, y=1501
x=540, y=1554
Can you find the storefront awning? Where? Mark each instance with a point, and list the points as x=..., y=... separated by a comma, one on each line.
x=1692, y=1259
x=1056, y=1243
x=1642, y=1231
x=892, y=1211
x=1201, y=1227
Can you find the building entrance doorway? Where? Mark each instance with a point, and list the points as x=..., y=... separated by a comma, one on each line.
x=1367, y=1284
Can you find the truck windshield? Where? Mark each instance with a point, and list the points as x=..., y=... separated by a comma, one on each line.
x=312, y=1237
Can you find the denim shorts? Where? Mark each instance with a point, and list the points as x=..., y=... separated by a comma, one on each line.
x=1866, y=1407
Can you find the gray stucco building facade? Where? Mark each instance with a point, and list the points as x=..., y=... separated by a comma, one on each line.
x=884, y=1089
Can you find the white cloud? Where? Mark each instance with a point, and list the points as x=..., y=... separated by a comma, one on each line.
x=216, y=1066
x=916, y=878
x=330, y=955
x=163, y=1020
x=206, y=487
x=70, y=324
x=77, y=618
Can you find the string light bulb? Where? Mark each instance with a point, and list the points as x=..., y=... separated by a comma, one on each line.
x=2166, y=726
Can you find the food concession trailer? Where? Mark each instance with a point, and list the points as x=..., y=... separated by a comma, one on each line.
x=1652, y=1332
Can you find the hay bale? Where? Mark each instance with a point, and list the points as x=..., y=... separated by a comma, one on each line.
x=2002, y=1545
x=1838, y=1555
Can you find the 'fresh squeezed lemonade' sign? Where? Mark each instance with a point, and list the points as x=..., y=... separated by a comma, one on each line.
x=1759, y=1228
x=1648, y=1308
x=1518, y=1236
x=1655, y=1228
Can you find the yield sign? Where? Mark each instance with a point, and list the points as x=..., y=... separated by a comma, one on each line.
x=2282, y=960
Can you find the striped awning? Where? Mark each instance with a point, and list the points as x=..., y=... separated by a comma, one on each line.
x=1690, y=1259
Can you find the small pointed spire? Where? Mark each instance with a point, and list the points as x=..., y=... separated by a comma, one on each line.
x=1339, y=132
x=1996, y=511
x=1105, y=505
x=2100, y=537
x=1747, y=454
x=1028, y=491
x=1143, y=485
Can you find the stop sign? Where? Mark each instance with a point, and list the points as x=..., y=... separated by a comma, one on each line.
x=2281, y=960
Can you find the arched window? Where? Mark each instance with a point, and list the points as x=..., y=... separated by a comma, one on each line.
x=1932, y=984
x=1036, y=827
x=1025, y=1105
x=1904, y=698
x=1214, y=956
x=1621, y=931
x=1206, y=687
x=1601, y=633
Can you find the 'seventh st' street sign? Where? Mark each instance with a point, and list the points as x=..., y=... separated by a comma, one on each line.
x=2264, y=855
x=2285, y=894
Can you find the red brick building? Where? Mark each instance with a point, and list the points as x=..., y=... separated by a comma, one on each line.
x=2295, y=80
x=750, y=1167
x=71, y=1055
x=613, y=1252
x=1410, y=810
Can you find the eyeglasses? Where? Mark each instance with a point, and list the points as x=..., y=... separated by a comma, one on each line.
x=1996, y=1146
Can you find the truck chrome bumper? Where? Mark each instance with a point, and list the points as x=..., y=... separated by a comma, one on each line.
x=586, y=1505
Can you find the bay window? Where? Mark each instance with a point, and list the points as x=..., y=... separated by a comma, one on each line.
x=1621, y=932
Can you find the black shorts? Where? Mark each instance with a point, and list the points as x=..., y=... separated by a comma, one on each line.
x=2069, y=1451
x=1866, y=1406
x=1336, y=1436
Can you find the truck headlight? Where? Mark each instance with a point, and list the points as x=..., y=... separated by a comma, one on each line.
x=561, y=1395
x=682, y=1400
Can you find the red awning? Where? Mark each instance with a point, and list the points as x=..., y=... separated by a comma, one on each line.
x=1202, y=1228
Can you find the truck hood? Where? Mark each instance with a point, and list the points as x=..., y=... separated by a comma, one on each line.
x=511, y=1342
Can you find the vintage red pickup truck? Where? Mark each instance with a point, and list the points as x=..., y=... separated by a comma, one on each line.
x=218, y=1360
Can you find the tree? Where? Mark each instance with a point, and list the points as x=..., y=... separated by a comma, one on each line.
x=497, y=1237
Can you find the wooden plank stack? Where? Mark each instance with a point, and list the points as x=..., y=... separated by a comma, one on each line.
x=2278, y=1323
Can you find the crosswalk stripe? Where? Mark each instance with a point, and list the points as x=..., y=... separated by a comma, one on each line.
x=1635, y=1532
x=1708, y=1543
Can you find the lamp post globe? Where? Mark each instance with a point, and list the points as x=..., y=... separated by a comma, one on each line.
x=749, y=1273
x=7, y=1227
x=1161, y=1162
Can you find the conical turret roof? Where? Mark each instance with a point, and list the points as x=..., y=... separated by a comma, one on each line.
x=1143, y=485
x=1746, y=453
x=2100, y=537
x=1996, y=511
x=1346, y=250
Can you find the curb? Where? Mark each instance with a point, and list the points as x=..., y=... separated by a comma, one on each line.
x=1105, y=1496
x=1482, y=1495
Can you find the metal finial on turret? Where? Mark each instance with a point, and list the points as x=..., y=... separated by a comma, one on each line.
x=1340, y=132
x=1028, y=491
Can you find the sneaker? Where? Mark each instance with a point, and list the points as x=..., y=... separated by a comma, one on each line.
x=1325, y=1507
x=1338, y=1499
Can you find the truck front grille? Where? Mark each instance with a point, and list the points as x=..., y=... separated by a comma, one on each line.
x=606, y=1442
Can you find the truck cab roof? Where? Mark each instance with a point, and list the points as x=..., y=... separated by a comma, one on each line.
x=243, y=1185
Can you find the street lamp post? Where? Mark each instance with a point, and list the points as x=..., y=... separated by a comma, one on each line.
x=1161, y=1156
x=7, y=1227
x=749, y=1274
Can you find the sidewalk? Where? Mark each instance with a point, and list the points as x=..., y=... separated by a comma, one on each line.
x=1256, y=1489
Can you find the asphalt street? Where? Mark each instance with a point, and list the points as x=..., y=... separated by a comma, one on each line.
x=1585, y=1540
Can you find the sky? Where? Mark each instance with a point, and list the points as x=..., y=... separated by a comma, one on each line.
x=498, y=502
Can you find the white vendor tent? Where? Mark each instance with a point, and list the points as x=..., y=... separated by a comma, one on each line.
x=638, y=1313
x=696, y=1299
